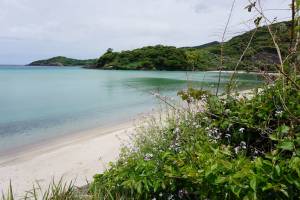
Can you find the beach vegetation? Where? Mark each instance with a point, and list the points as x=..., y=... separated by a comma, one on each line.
x=237, y=148
x=228, y=146
x=56, y=190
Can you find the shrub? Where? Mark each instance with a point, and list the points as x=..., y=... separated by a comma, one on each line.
x=237, y=148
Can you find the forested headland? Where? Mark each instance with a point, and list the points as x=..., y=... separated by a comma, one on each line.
x=261, y=55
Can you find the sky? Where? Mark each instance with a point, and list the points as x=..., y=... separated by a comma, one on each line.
x=39, y=29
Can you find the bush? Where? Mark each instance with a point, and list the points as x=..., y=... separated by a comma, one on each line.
x=237, y=148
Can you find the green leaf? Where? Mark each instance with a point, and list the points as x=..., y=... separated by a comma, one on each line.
x=220, y=180
x=295, y=165
x=236, y=190
x=284, y=192
x=253, y=183
x=139, y=187
x=258, y=163
x=163, y=185
x=267, y=187
x=286, y=145
x=297, y=183
x=277, y=170
x=273, y=137
x=284, y=129
x=297, y=140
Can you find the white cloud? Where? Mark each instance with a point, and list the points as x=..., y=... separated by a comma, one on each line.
x=34, y=29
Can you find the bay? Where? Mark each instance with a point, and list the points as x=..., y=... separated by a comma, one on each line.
x=38, y=103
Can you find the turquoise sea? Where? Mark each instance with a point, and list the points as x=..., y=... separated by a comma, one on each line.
x=38, y=103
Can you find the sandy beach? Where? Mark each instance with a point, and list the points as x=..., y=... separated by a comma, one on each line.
x=76, y=157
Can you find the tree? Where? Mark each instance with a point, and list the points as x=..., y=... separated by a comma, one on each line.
x=109, y=50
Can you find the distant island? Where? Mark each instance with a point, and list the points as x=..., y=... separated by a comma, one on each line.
x=63, y=61
x=260, y=56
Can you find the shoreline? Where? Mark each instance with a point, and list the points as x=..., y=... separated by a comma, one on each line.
x=245, y=72
x=75, y=157
x=95, y=68
x=83, y=133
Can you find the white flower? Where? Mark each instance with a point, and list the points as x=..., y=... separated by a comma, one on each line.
x=228, y=137
x=237, y=149
x=214, y=133
x=154, y=198
x=160, y=194
x=278, y=113
x=171, y=197
x=242, y=130
x=148, y=156
x=177, y=130
x=182, y=193
x=243, y=145
x=227, y=111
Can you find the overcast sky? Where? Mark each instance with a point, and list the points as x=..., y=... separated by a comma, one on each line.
x=37, y=29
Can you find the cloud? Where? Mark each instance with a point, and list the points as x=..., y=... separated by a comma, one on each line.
x=34, y=29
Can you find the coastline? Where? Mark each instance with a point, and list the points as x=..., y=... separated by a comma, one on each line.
x=245, y=72
x=75, y=157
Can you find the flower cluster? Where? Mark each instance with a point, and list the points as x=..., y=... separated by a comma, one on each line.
x=242, y=146
x=171, y=197
x=176, y=145
x=182, y=193
x=148, y=156
x=214, y=133
x=278, y=113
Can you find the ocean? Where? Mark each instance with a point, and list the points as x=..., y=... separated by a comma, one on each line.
x=39, y=103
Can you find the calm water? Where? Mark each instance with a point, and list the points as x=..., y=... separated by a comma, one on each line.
x=37, y=103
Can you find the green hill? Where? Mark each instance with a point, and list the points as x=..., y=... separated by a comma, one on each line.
x=202, y=46
x=260, y=55
x=147, y=58
x=63, y=61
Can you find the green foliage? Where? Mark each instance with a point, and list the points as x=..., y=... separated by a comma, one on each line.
x=261, y=55
x=63, y=61
x=147, y=58
x=201, y=59
x=237, y=148
x=55, y=191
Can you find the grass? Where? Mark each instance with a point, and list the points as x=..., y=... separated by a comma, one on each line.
x=56, y=191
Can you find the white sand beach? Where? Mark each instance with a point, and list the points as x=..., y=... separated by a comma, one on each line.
x=75, y=158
